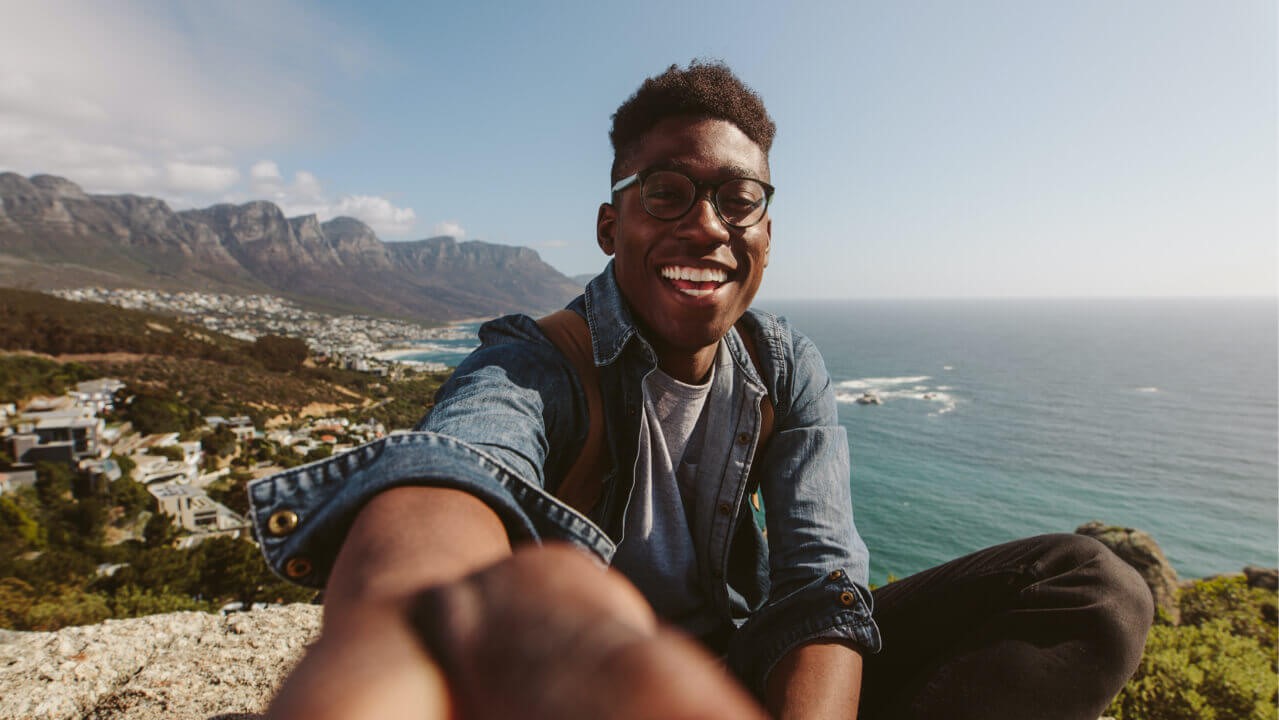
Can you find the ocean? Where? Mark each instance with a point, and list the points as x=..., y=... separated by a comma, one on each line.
x=1007, y=418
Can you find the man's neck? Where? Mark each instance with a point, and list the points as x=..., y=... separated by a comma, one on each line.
x=685, y=367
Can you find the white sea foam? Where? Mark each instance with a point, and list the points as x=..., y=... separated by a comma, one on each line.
x=875, y=383
x=947, y=367
x=1150, y=389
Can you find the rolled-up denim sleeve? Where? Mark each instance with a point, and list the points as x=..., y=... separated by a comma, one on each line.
x=487, y=435
x=818, y=563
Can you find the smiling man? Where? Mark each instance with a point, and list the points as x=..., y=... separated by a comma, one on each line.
x=463, y=579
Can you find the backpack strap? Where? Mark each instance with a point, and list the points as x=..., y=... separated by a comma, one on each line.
x=582, y=486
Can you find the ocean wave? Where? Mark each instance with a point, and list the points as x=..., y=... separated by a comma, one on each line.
x=1150, y=389
x=875, y=383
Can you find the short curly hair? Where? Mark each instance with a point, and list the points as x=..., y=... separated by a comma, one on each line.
x=706, y=89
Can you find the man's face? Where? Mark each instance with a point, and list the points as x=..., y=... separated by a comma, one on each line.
x=652, y=256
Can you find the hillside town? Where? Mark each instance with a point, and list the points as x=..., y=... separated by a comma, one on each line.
x=354, y=340
x=75, y=430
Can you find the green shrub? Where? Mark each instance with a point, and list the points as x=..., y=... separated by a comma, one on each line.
x=1219, y=664
x=1250, y=611
x=1203, y=672
x=132, y=601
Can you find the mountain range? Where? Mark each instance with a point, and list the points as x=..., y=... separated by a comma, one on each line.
x=55, y=235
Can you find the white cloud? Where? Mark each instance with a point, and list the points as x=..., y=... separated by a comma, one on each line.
x=265, y=170
x=450, y=228
x=305, y=195
x=378, y=213
x=171, y=100
x=190, y=177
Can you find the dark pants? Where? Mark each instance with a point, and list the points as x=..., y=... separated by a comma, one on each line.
x=1047, y=627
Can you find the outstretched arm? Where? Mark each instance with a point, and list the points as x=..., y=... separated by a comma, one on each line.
x=543, y=632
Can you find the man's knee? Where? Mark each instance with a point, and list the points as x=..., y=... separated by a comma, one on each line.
x=1119, y=601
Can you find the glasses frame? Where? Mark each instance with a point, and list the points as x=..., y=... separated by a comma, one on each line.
x=698, y=187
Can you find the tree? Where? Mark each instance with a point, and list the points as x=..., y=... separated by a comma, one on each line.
x=159, y=531
x=154, y=413
x=278, y=353
x=221, y=442
x=19, y=532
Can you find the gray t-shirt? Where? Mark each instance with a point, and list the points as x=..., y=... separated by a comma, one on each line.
x=657, y=535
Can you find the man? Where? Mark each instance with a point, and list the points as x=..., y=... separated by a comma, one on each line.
x=449, y=591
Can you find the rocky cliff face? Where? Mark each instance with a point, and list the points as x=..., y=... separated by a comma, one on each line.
x=53, y=234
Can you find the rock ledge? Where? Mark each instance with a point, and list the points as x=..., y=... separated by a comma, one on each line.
x=179, y=666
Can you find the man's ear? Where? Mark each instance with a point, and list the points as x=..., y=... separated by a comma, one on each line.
x=605, y=227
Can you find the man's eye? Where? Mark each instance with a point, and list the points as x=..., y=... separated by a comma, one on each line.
x=664, y=193
x=741, y=201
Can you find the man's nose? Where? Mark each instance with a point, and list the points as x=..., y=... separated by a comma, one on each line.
x=702, y=224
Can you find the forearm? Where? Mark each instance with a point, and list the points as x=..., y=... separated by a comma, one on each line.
x=408, y=539
x=368, y=662
x=817, y=680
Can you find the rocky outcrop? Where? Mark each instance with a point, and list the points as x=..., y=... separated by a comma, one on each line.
x=179, y=666
x=1141, y=551
x=196, y=666
x=53, y=234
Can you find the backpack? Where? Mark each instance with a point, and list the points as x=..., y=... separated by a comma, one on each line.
x=582, y=486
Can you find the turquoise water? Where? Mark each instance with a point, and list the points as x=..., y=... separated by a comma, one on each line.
x=1006, y=418
x=1155, y=414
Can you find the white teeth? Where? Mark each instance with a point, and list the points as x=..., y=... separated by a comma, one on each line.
x=696, y=293
x=691, y=274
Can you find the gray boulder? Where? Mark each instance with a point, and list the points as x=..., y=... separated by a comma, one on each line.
x=1141, y=551
x=179, y=666
x=1264, y=578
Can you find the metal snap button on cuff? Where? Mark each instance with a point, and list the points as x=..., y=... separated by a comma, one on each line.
x=847, y=598
x=743, y=438
x=282, y=522
x=725, y=508
x=835, y=575
x=297, y=567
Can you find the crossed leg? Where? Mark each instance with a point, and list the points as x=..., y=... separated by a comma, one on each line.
x=1048, y=627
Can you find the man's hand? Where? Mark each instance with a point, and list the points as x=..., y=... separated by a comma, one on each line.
x=544, y=632
x=550, y=634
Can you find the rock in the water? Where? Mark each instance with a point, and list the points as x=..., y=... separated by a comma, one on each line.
x=1141, y=551
x=177, y=666
x=1264, y=578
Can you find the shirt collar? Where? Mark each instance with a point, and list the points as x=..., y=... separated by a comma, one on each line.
x=608, y=317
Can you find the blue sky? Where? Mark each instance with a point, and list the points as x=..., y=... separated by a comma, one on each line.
x=925, y=149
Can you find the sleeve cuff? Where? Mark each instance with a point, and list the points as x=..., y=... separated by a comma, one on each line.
x=301, y=516
x=831, y=607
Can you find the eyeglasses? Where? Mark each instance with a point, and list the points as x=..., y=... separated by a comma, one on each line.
x=669, y=195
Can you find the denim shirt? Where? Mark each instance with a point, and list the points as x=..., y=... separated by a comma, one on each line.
x=511, y=421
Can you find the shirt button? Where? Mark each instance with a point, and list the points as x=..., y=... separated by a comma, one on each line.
x=847, y=599
x=282, y=522
x=297, y=567
x=743, y=438
x=725, y=509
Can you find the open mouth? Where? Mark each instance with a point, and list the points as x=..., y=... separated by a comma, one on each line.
x=694, y=282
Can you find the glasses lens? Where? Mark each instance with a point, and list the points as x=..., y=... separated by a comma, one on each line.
x=668, y=195
x=742, y=202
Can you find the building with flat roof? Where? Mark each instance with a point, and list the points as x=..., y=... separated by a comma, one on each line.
x=192, y=509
